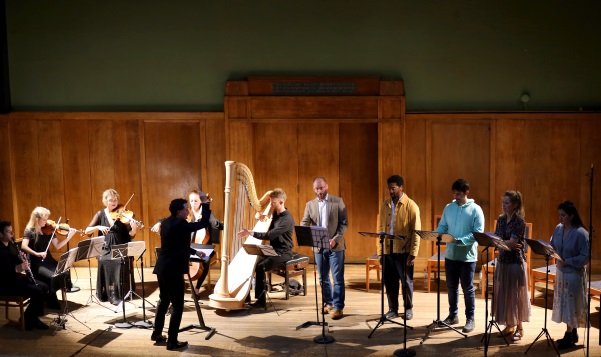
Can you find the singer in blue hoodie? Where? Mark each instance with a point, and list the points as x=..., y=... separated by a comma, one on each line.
x=460, y=218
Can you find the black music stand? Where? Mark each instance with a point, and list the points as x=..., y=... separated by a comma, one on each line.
x=404, y=352
x=490, y=240
x=64, y=264
x=201, y=322
x=86, y=249
x=439, y=238
x=383, y=319
x=144, y=323
x=315, y=237
x=264, y=251
x=548, y=251
x=121, y=251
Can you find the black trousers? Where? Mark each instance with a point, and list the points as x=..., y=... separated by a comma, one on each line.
x=267, y=264
x=395, y=270
x=203, y=275
x=38, y=294
x=171, y=292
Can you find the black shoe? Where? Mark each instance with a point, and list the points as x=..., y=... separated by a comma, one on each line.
x=470, y=325
x=30, y=325
x=54, y=305
x=158, y=338
x=177, y=345
x=451, y=320
x=574, y=336
x=409, y=314
x=392, y=314
x=258, y=305
x=566, y=341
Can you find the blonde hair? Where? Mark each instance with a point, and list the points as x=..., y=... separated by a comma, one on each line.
x=278, y=193
x=37, y=213
x=107, y=194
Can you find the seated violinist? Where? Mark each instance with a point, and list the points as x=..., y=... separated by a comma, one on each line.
x=109, y=286
x=14, y=283
x=203, y=236
x=36, y=241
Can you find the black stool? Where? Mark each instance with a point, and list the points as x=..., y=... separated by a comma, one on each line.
x=291, y=268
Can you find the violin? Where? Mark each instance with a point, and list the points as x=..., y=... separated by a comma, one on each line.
x=125, y=216
x=61, y=229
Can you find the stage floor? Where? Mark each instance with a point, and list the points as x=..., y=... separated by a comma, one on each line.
x=274, y=333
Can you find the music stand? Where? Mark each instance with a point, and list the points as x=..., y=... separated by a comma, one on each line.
x=264, y=251
x=86, y=249
x=64, y=264
x=383, y=318
x=548, y=251
x=143, y=323
x=490, y=240
x=201, y=322
x=315, y=237
x=122, y=251
x=439, y=238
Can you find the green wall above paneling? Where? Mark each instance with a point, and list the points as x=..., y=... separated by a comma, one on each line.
x=176, y=55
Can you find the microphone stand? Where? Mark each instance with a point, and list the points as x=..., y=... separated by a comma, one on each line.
x=590, y=267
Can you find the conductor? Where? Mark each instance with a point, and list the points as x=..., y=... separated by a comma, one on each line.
x=172, y=263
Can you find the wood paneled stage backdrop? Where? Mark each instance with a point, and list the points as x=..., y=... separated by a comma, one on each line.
x=352, y=130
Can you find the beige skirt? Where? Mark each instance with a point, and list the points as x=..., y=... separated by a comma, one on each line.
x=511, y=303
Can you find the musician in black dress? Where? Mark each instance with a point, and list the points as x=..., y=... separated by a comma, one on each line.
x=172, y=263
x=14, y=283
x=36, y=241
x=279, y=235
x=109, y=286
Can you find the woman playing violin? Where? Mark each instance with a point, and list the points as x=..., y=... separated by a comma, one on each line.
x=109, y=284
x=36, y=241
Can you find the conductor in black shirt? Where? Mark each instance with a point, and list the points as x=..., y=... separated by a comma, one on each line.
x=172, y=263
x=280, y=238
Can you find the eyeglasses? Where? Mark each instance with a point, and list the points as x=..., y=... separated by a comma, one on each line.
x=113, y=200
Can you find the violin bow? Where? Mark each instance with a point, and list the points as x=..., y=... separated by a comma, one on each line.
x=53, y=235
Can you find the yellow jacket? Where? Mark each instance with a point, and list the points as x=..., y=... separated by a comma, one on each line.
x=406, y=221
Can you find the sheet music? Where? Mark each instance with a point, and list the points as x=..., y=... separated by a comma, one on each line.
x=260, y=249
x=207, y=252
x=320, y=237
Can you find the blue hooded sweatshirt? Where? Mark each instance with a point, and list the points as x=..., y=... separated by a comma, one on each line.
x=460, y=222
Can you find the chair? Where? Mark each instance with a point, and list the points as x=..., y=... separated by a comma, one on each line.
x=293, y=267
x=493, y=263
x=596, y=290
x=539, y=275
x=432, y=266
x=15, y=301
x=372, y=263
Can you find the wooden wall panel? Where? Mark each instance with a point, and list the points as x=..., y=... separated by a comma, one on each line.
x=6, y=194
x=314, y=107
x=509, y=161
x=276, y=162
x=416, y=180
x=215, y=158
x=80, y=206
x=590, y=132
x=240, y=137
x=25, y=144
x=359, y=184
x=318, y=156
x=460, y=150
x=172, y=168
x=102, y=156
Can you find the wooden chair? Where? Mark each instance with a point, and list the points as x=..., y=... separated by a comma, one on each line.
x=540, y=274
x=493, y=263
x=15, y=301
x=372, y=263
x=596, y=290
x=432, y=266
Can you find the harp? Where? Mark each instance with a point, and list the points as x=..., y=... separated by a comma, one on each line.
x=242, y=209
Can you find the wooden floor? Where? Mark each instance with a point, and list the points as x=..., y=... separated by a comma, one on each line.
x=274, y=333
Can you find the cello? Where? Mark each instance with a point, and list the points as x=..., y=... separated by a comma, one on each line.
x=201, y=236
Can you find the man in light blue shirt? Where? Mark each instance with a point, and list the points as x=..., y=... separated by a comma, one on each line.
x=460, y=218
